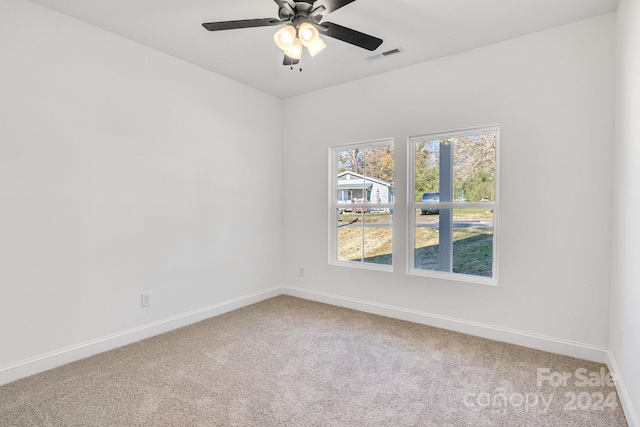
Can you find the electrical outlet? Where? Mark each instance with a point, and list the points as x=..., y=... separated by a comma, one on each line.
x=301, y=271
x=614, y=377
x=145, y=299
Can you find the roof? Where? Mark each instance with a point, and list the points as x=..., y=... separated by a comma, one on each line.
x=354, y=184
x=361, y=177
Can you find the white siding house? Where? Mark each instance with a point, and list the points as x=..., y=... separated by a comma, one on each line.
x=356, y=188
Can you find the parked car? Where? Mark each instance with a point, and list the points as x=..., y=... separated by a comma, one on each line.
x=430, y=198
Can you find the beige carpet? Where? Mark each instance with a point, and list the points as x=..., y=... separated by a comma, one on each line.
x=291, y=362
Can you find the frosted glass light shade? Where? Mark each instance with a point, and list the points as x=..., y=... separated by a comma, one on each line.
x=285, y=37
x=316, y=48
x=295, y=51
x=308, y=34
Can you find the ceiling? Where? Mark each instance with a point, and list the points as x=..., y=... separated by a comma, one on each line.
x=422, y=29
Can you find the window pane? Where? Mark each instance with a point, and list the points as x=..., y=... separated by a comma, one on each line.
x=474, y=166
x=427, y=168
x=377, y=236
x=365, y=236
x=426, y=252
x=473, y=242
x=350, y=183
x=378, y=165
x=365, y=175
x=349, y=235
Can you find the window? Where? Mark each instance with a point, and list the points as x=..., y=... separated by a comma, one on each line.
x=361, y=205
x=453, y=205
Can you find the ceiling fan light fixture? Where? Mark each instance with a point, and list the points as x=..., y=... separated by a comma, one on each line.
x=285, y=37
x=295, y=50
x=302, y=23
x=316, y=48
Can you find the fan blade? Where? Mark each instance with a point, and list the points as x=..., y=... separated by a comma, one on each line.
x=243, y=23
x=329, y=6
x=288, y=5
x=289, y=60
x=348, y=35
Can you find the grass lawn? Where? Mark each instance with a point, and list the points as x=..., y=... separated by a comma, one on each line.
x=472, y=250
x=370, y=218
x=472, y=246
x=377, y=243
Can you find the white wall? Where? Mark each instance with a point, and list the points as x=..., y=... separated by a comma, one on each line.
x=553, y=94
x=625, y=294
x=112, y=157
x=115, y=170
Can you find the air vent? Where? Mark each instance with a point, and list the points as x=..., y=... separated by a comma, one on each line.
x=383, y=54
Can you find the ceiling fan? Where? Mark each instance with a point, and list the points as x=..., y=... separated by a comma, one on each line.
x=303, y=26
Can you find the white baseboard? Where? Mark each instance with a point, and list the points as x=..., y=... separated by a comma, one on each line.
x=73, y=353
x=623, y=395
x=497, y=333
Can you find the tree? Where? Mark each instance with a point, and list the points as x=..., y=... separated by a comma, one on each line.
x=351, y=160
x=474, y=165
x=480, y=187
x=374, y=162
x=379, y=162
x=427, y=168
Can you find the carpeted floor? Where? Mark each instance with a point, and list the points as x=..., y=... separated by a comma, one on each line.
x=292, y=362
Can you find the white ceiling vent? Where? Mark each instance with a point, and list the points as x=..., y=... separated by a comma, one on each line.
x=395, y=51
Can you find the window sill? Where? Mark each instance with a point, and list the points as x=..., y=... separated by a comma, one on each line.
x=362, y=265
x=457, y=277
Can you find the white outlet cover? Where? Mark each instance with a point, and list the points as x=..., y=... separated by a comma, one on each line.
x=145, y=299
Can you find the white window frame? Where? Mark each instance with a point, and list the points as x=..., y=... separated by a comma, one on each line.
x=334, y=206
x=412, y=206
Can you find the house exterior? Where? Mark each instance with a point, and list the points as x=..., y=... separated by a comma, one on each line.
x=356, y=188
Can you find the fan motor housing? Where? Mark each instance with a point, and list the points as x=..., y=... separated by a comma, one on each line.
x=301, y=9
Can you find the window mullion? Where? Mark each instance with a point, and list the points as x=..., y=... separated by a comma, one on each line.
x=364, y=199
x=362, y=242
